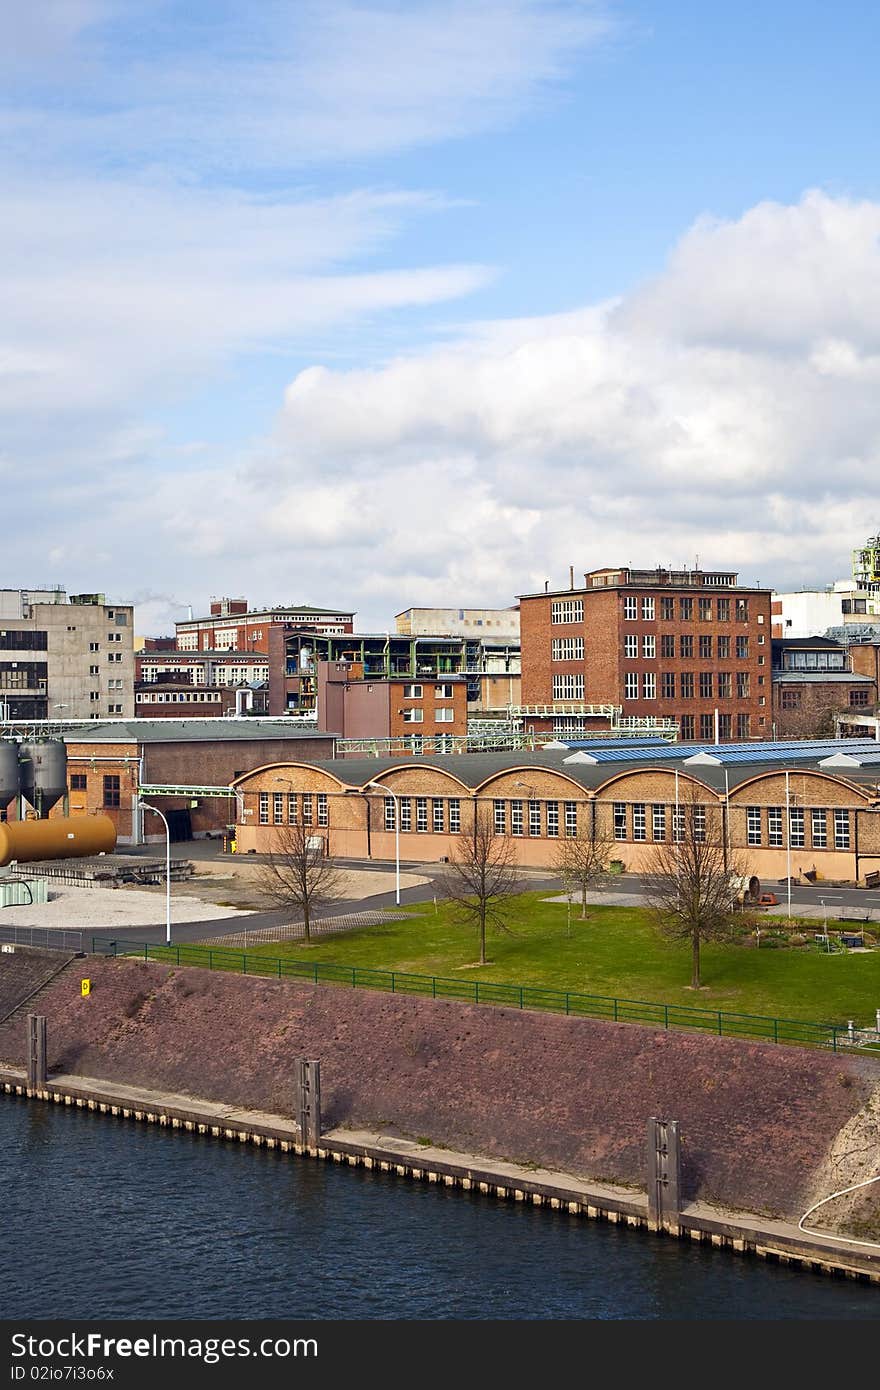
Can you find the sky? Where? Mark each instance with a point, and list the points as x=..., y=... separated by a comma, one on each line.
x=377, y=304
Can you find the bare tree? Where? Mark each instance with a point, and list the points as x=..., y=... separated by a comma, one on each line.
x=581, y=862
x=295, y=874
x=692, y=879
x=481, y=878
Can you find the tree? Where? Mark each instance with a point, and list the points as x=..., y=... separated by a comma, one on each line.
x=295, y=874
x=481, y=878
x=692, y=880
x=581, y=861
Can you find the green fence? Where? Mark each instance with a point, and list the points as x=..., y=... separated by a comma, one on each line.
x=719, y=1022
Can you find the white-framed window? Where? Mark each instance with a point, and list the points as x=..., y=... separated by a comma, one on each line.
x=389, y=813
x=649, y=647
x=414, y=716
x=630, y=608
x=753, y=825
x=568, y=687
x=677, y=825
x=444, y=715
x=631, y=685
x=819, y=820
x=534, y=818
x=416, y=743
x=774, y=826
x=454, y=816
x=405, y=813
x=649, y=686
x=500, y=817
x=437, y=808
x=278, y=808
x=700, y=824
x=516, y=818
x=796, y=835
x=421, y=815
x=658, y=822
x=412, y=692
x=648, y=609
x=841, y=828
x=553, y=819
x=307, y=808
x=323, y=809
x=571, y=819
x=291, y=808
x=631, y=646
x=567, y=610
x=567, y=649
x=444, y=691
x=620, y=820
x=264, y=808
x=640, y=827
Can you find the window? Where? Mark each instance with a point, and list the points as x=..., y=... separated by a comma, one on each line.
x=405, y=813
x=414, y=716
x=723, y=648
x=705, y=647
x=742, y=685
x=445, y=715
x=567, y=648
x=667, y=645
x=534, y=818
x=753, y=825
x=649, y=648
x=686, y=727
x=390, y=817
x=686, y=647
x=658, y=822
x=121, y=619
x=631, y=647
x=438, y=821
x=687, y=685
x=859, y=699
x=94, y=670
x=685, y=609
x=568, y=687
x=631, y=686
x=568, y=610
x=639, y=824
x=725, y=685
x=725, y=726
x=722, y=610
x=307, y=808
x=774, y=826
x=667, y=609
x=743, y=726
x=516, y=818
x=677, y=825
x=323, y=813
x=416, y=743
x=790, y=699
x=78, y=782
x=94, y=696
x=421, y=815
x=630, y=609
x=620, y=820
x=742, y=610
x=649, y=686
x=819, y=829
x=841, y=829
x=412, y=692
x=707, y=728
x=668, y=685
x=648, y=609
x=114, y=656
x=291, y=808
x=553, y=819
x=742, y=648
x=706, y=685
x=454, y=816
x=264, y=808
x=444, y=691
x=571, y=819
x=278, y=808
x=796, y=836
x=500, y=817
x=705, y=610
x=700, y=824
x=93, y=647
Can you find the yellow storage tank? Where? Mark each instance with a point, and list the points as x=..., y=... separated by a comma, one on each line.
x=63, y=837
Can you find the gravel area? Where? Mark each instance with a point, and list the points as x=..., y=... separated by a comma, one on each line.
x=84, y=908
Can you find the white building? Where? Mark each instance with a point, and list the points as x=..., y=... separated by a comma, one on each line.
x=811, y=612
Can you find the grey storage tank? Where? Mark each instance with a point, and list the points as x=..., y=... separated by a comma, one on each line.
x=9, y=773
x=43, y=768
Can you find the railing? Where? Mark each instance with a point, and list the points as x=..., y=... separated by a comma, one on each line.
x=49, y=938
x=837, y=1037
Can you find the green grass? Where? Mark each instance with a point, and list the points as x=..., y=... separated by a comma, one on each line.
x=616, y=952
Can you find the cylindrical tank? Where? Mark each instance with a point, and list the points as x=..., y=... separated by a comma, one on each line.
x=43, y=773
x=9, y=773
x=63, y=837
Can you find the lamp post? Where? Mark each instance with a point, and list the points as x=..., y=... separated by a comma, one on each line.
x=142, y=806
x=386, y=791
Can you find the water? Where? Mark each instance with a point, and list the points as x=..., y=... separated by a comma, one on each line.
x=105, y=1218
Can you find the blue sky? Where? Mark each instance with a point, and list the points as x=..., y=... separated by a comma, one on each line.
x=280, y=279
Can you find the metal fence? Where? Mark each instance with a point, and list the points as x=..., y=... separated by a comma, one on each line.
x=837, y=1037
x=50, y=938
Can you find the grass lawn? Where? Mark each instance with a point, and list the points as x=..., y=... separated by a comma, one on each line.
x=618, y=951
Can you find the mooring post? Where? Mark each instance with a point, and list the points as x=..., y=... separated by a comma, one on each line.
x=664, y=1172
x=307, y=1101
x=36, y=1055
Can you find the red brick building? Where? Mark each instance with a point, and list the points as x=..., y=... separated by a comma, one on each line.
x=690, y=645
x=422, y=714
x=232, y=626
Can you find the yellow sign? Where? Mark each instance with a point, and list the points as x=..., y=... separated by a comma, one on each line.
x=86, y=987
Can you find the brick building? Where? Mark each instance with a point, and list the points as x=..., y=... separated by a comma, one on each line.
x=691, y=646
x=232, y=626
x=814, y=681
x=423, y=714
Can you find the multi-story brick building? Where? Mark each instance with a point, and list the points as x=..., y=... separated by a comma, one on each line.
x=815, y=680
x=416, y=715
x=232, y=626
x=691, y=646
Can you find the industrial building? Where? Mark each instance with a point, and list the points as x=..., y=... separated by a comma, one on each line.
x=232, y=626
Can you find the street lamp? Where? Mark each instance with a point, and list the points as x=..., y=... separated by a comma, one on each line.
x=142, y=806
x=386, y=791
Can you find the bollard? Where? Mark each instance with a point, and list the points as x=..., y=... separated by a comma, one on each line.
x=37, y=1072
x=307, y=1101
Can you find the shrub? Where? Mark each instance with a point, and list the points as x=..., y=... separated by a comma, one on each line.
x=797, y=939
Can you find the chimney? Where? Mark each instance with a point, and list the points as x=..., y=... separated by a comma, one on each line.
x=571, y=576
x=546, y=586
